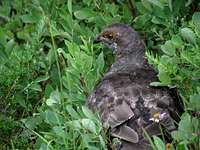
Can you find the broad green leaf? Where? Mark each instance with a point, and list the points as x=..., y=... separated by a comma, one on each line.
x=140, y=21
x=188, y=35
x=36, y=87
x=20, y=100
x=182, y=146
x=54, y=98
x=76, y=124
x=177, y=41
x=159, y=12
x=86, y=140
x=89, y=125
x=86, y=62
x=30, y=18
x=147, y=5
x=159, y=20
x=185, y=129
x=32, y=122
x=159, y=143
x=84, y=14
x=73, y=48
x=196, y=20
x=23, y=35
x=156, y=3
x=51, y=56
x=48, y=90
x=51, y=117
x=44, y=146
x=164, y=78
x=88, y=113
x=90, y=79
x=141, y=8
x=59, y=131
x=169, y=48
x=195, y=102
x=5, y=10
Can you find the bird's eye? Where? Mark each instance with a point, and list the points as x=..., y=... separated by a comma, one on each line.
x=110, y=36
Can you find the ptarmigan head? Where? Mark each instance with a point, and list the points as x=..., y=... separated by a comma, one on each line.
x=121, y=38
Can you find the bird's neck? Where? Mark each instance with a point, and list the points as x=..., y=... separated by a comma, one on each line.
x=128, y=63
x=134, y=55
x=131, y=50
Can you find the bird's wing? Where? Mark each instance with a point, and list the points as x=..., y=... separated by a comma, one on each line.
x=129, y=107
x=113, y=106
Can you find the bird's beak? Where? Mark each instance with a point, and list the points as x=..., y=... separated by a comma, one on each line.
x=97, y=40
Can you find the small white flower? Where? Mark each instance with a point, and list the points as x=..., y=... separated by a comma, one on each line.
x=157, y=117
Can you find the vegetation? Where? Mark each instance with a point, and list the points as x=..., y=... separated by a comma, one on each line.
x=48, y=66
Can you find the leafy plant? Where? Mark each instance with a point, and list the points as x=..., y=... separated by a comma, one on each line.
x=48, y=67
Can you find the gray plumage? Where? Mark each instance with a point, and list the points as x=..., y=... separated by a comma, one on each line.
x=123, y=99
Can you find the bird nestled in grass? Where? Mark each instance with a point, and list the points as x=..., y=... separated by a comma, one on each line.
x=124, y=99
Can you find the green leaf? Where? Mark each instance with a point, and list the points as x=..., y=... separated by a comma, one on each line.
x=185, y=129
x=54, y=98
x=140, y=21
x=59, y=131
x=188, y=35
x=102, y=141
x=9, y=46
x=196, y=20
x=88, y=113
x=195, y=102
x=72, y=112
x=182, y=146
x=156, y=84
x=170, y=5
x=51, y=117
x=73, y=48
x=30, y=18
x=143, y=7
x=156, y=3
x=48, y=90
x=159, y=143
x=85, y=62
x=147, y=5
x=168, y=48
x=3, y=36
x=75, y=124
x=42, y=78
x=164, y=78
x=158, y=20
x=69, y=5
x=177, y=41
x=84, y=14
x=3, y=55
x=36, y=87
x=89, y=125
x=32, y=122
x=20, y=100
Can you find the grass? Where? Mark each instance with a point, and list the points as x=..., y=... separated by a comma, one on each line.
x=48, y=66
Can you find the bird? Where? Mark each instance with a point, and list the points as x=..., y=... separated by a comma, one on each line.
x=124, y=99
